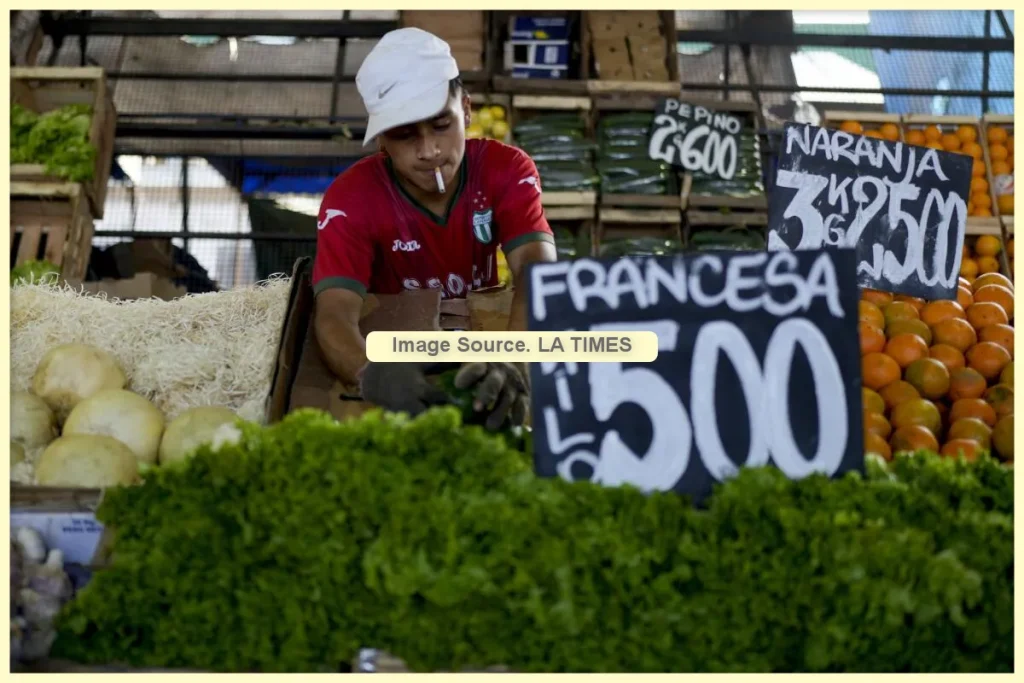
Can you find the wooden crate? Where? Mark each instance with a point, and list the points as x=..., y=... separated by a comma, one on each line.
x=53, y=222
x=44, y=89
x=869, y=120
x=560, y=205
x=578, y=62
x=976, y=225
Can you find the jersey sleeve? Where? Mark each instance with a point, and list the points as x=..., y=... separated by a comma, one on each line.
x=344, y=245
x=518, y=211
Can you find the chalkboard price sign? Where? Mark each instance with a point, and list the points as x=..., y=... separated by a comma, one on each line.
x=902, y=207
x=758, y=364
x=696, y=139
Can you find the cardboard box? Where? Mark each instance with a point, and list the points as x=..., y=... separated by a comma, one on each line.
x=605, y=25
x=611, y=59
x=448, y=25
x=301, y=378
x=468, y=53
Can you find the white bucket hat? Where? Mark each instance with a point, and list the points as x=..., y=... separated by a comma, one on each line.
x=405, y=79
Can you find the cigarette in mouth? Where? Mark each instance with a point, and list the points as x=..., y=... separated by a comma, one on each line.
x=439, y=179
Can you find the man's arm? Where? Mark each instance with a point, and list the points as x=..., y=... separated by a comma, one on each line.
x=539, y=251
x=336, y=325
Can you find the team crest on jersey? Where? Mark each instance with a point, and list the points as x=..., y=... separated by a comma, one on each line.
x=482, y=225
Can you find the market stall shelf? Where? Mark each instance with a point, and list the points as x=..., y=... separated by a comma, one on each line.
x=51, y=222
x=45, y=89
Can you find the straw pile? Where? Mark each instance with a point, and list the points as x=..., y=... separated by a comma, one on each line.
x=199, y=350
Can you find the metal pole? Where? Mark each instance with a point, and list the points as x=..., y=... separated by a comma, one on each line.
x=726, y=55
x=339, y=68
x=184, y=201
x=985, y=58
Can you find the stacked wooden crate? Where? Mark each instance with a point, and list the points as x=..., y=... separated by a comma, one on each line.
x=52, y=219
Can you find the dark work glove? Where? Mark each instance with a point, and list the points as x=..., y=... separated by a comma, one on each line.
x=502, y=391
x=403, y=387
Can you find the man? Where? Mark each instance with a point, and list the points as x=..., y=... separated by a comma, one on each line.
x=428, y=210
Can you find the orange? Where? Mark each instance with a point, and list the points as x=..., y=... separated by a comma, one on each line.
x=912, y=300
x=936, y=145
x=1005, y=204
x=877, y=424
x=985, y=313
x=913, y=438
x=988, y=358
x=964, y=282
x=987, y=264
x=1009, y=245
x=981, y=200
x=867, y=312
x=987, y=245
x=964, y=296
x=917, y=327
x=900, y=310
x=948, y=356
x=852, y=127
x=874, y=134
x=872, y=401
x=998, y=153
x=917, y=411
x=996, y=294
x=979, y=185
x=969, y=268
x=873, y=443
x=1006, y=376
x=978, y=170
x=972, y=149
x=950, y=142
x=890, y=131
x=929, y=377
x=956, y=332
x=932, y=133
x=971, y=428
x=936, y=311
x=872, y=339
x=877, y=297
x=969, y=449
x=996, y=134
x=966, y=383
x=915, y=137
x=906, y=348
x=1002, y=438
x=967, y=133
x=1000, y=168
x=998, y=334
x=973, y=407
x=878, y=369
x=898, y=392
x=992, y=279
x=1000, y=397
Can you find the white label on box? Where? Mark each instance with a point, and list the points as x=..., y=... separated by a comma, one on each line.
x=76, y=534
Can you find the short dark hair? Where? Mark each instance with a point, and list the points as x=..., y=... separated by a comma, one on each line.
x=455, y=86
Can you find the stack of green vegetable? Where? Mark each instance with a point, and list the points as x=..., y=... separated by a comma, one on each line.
x=297, y=545
x=558, y=145
x=747, y=181
x=33, y=271
x=623, y=160
x=569, y=244
x=57, y=139
x=639, y=246
x=733, y=238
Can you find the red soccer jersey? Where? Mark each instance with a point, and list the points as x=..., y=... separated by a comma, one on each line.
x=374, y=237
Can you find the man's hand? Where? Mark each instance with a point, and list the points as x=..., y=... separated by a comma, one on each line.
x=502, y=391
x=403, y=387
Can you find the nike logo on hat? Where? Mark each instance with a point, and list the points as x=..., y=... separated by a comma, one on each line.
x=381, y=93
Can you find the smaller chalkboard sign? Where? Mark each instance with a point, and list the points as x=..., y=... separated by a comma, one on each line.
x=758, y=363
x=902, y=207
x=695, y=138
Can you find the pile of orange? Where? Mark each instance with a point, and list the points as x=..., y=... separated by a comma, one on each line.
x=1000, y=151
x=981, y=256
x=882, y=131
x=939, y=375
x=964, y=140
